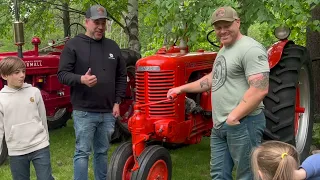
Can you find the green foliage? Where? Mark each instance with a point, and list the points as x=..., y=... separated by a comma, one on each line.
x=261, y=32
x=293, y=14
x=258, y=19
x=162, y=22
x=171, y=19
x=316, y=134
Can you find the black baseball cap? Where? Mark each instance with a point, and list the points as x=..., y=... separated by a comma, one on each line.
x=96, y=12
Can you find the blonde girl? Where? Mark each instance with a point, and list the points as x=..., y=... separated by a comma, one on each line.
x=275, y=160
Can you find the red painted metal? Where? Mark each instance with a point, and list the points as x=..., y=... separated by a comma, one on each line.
x=126, y=174
x=275, y=52
x=41, y=72
x=158, y=171
x=298, y=111
x=158, y=118
x=126, y=107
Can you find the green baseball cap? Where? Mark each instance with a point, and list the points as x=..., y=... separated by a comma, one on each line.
x=224, y=14
x=96, y=12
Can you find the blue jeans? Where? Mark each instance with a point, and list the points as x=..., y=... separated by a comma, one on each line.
x=92, y=130
x=20, y=165
x=232, y=146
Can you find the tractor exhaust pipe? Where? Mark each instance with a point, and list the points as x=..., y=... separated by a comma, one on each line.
x=18, y=30
x=183, y=43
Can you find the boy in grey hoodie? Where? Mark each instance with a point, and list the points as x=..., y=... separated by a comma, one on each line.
x=23, y=123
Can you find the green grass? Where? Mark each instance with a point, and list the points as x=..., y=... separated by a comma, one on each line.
x=189, y=162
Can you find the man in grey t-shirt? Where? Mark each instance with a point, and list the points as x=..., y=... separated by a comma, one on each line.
x=239, y=81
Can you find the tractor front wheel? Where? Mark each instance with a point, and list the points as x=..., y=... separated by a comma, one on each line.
x=59, y=119
x=155, y=163
x=121, y=162
x=289, y=103
x=4, y=152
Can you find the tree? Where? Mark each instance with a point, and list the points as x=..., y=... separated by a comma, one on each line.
x=132, y=25
x=313, y=45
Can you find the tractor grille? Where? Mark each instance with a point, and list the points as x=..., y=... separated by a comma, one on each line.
x=152, y=87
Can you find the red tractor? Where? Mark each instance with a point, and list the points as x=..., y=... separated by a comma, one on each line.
x=185, y=119
x=41, y=71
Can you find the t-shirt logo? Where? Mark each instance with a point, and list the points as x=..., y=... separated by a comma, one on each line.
x=262, y=58
x=31, y=99
x=219, y=73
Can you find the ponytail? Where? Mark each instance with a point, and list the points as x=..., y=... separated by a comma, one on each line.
x=286, y=168
x=275, y=160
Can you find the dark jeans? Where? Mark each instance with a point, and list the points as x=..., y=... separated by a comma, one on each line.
x=232, y=145
x=20, y=165
x=92, y=129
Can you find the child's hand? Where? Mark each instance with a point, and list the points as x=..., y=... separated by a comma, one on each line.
x=300, y=174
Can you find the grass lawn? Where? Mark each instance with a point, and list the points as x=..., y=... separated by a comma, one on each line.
x=189, y=163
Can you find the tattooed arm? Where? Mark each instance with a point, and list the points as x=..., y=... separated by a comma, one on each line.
x=259, y=85
x=201, y=85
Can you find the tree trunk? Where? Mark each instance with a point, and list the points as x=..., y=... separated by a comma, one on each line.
x=313, y=45
x=66, y=19
x=132, y=25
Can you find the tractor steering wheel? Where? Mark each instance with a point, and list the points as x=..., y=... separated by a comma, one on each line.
x=75, y=29
x=210, y=41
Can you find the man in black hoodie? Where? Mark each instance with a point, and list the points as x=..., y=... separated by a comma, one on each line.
x=92, y=66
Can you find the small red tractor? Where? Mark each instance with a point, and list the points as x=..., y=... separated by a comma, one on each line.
x=288, y=107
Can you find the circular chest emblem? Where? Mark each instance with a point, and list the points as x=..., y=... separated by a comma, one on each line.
x=219, y=73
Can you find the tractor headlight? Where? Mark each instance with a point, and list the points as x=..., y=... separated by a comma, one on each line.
x=282, y=33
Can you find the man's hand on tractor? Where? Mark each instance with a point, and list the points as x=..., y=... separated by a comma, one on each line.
x=116, y=110
x=174, y=91
x=89, y=79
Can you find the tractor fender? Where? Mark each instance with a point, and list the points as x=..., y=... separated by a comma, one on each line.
x=275, y=52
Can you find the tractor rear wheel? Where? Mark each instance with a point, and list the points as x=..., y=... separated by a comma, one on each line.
x=4, y=152
x=289, y=103
x=121, y=132
x=155, y=163
x=59, y=119
x=121, y=162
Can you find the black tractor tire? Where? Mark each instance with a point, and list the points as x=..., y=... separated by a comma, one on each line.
x=155, y=162
x=130, y=56
x=4, y=152
x=121, y=131
x=292, y=75
x=59, y=119
x=121, y=162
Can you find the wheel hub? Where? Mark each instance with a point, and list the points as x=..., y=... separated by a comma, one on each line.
x=302, y=109
x=158, y=171
x=126, y=174
x=57, y=115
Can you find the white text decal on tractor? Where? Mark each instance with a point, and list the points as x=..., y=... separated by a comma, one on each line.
x=34, y=63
